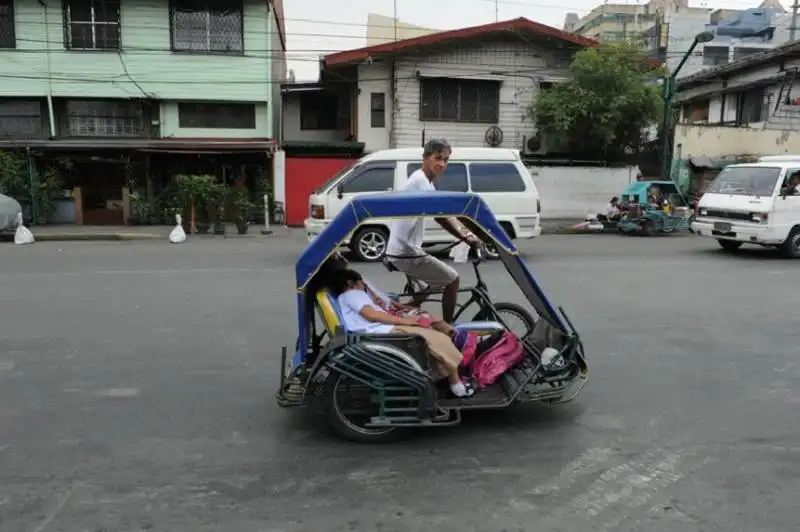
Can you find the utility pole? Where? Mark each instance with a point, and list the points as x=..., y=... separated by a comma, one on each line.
x=793, y=27
x=395, y=20
x=497, y=10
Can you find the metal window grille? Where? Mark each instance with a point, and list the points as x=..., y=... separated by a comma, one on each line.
x=8, y=37
x=20, y=119
x=452, y=100
x=105, y=119
x=207, y=26
x=92, y=24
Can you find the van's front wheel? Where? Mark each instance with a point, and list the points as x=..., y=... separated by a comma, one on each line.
x=791, y=247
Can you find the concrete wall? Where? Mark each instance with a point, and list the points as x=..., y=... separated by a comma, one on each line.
x=381, y=30
x=278, y=71
x=574, y=192
x=145, y=64
x=717, y=141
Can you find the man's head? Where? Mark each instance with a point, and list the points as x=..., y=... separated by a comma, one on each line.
x=347, y=279
x=435, y=156
x=614, y=200
x=794, y=180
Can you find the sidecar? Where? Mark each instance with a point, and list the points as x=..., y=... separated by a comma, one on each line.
x=640, y=217
x=374, y=388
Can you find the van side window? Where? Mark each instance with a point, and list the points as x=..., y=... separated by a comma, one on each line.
x=375, y=179
x=495, y=177
x=454, y=178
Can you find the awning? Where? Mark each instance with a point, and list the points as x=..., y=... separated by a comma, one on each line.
x=171, y=145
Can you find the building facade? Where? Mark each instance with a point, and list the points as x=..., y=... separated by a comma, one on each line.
x=611, y=22
x=122, y=81
x=138, y=69
x=472, y=86
x=749, y=107
x=737, y=34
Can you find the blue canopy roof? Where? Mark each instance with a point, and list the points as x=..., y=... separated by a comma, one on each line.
x=396, y=205
x=642, y=186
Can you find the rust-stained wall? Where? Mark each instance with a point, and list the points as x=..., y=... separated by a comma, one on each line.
x=717, y=141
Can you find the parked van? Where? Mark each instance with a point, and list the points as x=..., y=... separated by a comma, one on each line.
x=753, y=204
x=496, y=174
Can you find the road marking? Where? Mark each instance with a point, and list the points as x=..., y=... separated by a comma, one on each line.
x=619, y=494
x=6, y=365
x=53, y=514
x=119, y=392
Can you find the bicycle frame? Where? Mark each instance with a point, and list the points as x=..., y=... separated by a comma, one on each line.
x=479, y=293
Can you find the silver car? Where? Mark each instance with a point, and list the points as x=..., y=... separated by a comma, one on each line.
x=10, y=209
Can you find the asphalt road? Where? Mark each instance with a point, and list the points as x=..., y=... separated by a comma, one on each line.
x=137, y=381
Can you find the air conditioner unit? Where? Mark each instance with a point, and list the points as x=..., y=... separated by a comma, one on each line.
x=534, y=145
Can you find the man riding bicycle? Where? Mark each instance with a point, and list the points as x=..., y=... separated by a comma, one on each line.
x=404, y=250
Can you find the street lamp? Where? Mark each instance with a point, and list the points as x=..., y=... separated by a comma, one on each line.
x=669, y=93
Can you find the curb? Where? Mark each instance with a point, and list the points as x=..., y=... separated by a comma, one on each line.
x=87, y=237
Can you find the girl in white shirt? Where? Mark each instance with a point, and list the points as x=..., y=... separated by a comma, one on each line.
x=361, y=314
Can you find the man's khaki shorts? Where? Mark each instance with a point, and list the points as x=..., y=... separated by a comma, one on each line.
x=426, y=272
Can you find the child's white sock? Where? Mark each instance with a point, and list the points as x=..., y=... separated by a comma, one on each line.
x=459, y=390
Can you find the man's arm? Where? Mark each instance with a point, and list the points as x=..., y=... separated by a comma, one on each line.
x=457, y=229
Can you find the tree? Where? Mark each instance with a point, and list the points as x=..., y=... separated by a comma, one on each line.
x=605, y=106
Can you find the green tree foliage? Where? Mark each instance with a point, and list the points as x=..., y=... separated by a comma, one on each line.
x=605, y=106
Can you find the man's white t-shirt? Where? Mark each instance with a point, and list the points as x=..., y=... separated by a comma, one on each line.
x=351, y=302
x=405, y=235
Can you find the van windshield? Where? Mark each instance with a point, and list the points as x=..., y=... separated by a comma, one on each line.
x=746, y=181
x=336, y=176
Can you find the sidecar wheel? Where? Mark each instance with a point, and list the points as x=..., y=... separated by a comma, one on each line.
x=344, y=398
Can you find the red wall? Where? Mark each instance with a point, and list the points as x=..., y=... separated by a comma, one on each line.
x=303, y=175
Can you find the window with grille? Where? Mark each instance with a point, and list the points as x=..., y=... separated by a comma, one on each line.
x=91, y=24
x=217, y=115
x=321, y=111
x=8, y=38
x=20, y=119
x=459, y=100
x=212, y=26
x=104, y=118
x=378, y=109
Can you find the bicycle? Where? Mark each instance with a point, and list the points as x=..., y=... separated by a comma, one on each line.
x=488, y=310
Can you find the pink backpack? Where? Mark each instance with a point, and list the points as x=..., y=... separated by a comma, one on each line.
x=506, y=353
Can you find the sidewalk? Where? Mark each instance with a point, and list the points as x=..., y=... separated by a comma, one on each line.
x=66, y=233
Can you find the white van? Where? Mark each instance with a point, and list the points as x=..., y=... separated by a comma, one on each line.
x=747, y=204
x=496, y=174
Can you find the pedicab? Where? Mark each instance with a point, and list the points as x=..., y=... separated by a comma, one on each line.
x=640, y=215
x=375, y=388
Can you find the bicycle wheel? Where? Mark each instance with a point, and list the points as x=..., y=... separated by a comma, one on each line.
x=517, y=319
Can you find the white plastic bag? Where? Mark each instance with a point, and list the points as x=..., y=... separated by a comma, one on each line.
x=460, y=253
x=23, y=235
x=178, y=235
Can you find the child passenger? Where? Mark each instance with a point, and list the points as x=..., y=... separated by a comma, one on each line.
x=362, y=314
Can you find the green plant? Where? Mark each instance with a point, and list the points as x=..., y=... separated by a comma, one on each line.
x=48, y=189
x=14, y=177
x=604, y=107
x=194, y=191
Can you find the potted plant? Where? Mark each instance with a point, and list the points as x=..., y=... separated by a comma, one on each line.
x=194, y=190
x=240, y=199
